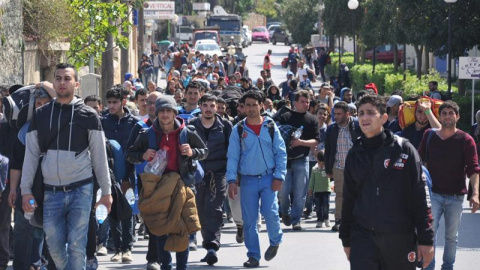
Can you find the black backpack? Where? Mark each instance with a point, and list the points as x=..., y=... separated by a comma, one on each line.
x=19, y=106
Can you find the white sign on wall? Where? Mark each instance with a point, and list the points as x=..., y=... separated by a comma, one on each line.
x=159, y=10
x=201, y=6
x=469, y=68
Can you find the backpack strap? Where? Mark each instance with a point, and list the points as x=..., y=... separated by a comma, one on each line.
x=183, y=135
x=152, y=139
x=429, y=137
x=142, y=124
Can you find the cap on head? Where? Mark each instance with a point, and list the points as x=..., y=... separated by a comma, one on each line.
x=394, y=100
x=165, y=102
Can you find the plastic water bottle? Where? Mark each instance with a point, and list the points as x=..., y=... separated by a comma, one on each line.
x=298, y=133
x=29, y=215
x=130, y=196
x=99, y=195
x=101, y=213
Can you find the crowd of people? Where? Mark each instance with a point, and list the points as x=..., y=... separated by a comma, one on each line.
x=239, y=150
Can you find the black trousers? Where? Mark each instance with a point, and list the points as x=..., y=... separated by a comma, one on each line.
x=5, y=220
x=371, y=250
x=211, y=193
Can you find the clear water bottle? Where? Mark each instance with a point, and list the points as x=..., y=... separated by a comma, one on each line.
x=130, y=196
x=101, y=213
x=297, y=133
x=29, y=215
x=99, y=195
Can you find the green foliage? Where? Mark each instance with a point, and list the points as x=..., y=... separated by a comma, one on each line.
x=347, y=58
x=465, y=104
x=267, y=8
x=298, y=16
x=89, y=38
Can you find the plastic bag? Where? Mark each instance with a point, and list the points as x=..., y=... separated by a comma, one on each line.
x=158, y=164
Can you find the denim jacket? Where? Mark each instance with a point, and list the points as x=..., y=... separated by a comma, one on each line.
x=256, y=155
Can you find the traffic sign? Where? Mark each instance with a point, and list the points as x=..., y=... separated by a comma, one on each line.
x=469, y=68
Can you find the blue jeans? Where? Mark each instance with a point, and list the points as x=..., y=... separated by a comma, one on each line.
x=322, y=201
x=296, y=183
x=28, y=243
x=154, y=76
x=65, y=222
x=103, y=232
x=165, y=257
x=450, y=206
x=255, y=189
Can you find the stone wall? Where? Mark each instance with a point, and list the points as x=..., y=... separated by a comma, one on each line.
x=11, y=42
x=254, y=19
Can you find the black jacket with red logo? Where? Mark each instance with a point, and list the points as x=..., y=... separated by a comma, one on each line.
x=384, y=191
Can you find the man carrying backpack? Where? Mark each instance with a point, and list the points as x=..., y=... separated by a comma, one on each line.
x=386, y=207
x=259, y=157
x=215, y=132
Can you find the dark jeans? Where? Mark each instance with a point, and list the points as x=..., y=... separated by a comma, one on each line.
x=122, y=233
x=5, y=220
x=152, y=251
x=92, y=235
x=322, y=73
x=28, y=243
x=322, y=201
x=166, y=258
x=211, y=194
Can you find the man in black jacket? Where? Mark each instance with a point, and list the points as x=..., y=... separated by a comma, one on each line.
x=339, y=139
x=215, y=132
x=386, y=204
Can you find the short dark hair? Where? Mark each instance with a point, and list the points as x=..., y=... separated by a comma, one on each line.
x=243, y=79
x=94, y=98
x=65, y=66
x=434, y=83
x=341, y=105
x=208, y=97
x=117, y=91
x=257, y=95
x=321, y=156
x=449, y=104
x=221, y=100
x=376, y=100
x=140, y=92
x=302, y=93
x=194, y=84
x=294, y=84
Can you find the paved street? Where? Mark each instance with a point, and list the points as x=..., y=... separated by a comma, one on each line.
x=311, y=248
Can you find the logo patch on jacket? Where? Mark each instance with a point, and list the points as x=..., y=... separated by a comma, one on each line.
x=400, y=163
x=411, y=256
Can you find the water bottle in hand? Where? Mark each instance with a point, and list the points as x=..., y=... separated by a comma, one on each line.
x=130, y=196
x=101, y=213
x=29, y=215
x=297, y=133
x=99, y=195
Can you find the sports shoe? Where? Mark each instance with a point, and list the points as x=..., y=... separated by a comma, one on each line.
x=92, y=263
x=252, y=262
x=286, y=220
x=239, y=237
x=153, y=266
x=271, y=252
x=127, y=256
x=297, y=227
x=141, y=229
x=211, y=257
x=319, y=224
x=102, y=250
x=336, y=226
x=146, y=236
x=327, y=223
x=117, y=257
x=192, y=246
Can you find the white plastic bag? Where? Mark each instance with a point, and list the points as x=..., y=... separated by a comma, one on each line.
x=158, y=164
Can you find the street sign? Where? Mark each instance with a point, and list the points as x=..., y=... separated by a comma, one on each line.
x=159, y=10
x=201, y=6
x=469, y=68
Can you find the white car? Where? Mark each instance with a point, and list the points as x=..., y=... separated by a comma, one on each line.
x=208, y=46
x=248, y=33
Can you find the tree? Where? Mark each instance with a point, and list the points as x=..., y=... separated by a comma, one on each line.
x=297, y=15
x=267, y=8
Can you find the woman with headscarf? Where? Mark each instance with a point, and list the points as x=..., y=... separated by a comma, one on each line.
x=273, y=93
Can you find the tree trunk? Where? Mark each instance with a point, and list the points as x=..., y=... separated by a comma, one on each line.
x=427, y=60
x=418, y=53
x=395, y=58
x=107, y=63
x=125, y=59
x=141, y=35
x=461, y=87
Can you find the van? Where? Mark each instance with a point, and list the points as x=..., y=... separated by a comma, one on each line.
x=384, y=53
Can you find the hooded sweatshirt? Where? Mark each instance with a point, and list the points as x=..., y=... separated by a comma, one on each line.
x=71, y=139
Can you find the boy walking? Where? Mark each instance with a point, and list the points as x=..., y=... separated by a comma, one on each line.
x=320, y=188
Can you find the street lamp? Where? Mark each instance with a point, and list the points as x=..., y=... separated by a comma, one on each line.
x=449, y=65
x=353, y=5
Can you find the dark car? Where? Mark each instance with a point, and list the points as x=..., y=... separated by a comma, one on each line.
x=384, y=53
x=281, y=35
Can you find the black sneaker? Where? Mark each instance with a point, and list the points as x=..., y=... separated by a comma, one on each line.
x=336, y=227
x=297, y=227
x=239, y=237
x=286, y=220
x=271, y=252
x=211, y=257
x=252, y=262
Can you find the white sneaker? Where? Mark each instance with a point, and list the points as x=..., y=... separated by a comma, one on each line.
x=319, y=224
x=117, y=257
x=327, y=223
x=102, y=250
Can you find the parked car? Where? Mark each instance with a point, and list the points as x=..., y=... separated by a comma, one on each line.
x=208, y=46
x=281, y=35
x=272, y=29
x=384, y=53
x=260, y=33
x=248, y=34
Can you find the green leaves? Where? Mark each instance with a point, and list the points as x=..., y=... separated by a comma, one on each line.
x=300, y=17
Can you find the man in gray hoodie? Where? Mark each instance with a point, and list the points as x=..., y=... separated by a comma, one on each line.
x=69, y=136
